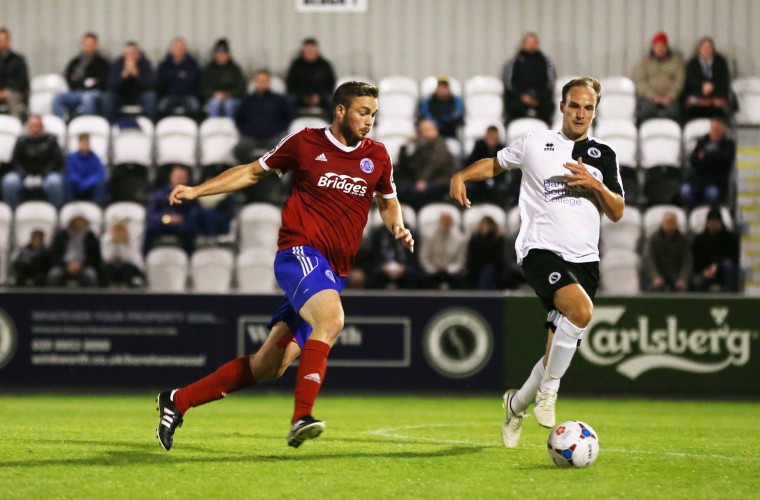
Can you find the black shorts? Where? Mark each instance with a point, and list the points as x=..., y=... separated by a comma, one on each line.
x=547, y=272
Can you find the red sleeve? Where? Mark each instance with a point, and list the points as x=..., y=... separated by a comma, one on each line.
x=386, y=186
x=283, y=157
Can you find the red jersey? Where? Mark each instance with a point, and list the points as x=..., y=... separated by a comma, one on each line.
x=333, y=187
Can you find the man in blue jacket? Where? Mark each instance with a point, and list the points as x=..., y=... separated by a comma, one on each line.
x=131, y=82
x=178, y=81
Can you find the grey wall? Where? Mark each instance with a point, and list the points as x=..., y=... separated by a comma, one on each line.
x=413, y=37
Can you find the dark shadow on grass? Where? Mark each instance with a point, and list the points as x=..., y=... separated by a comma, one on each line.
x=144, y=454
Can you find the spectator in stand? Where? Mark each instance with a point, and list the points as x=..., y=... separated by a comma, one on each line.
x=443, y=108
x=514, y=276
x=503, y=189
x=711, y=162
x=529, y=82
x=178, y=82
x=85, y=175
x=222, y=82
x=443, y=254
x=32, y=261
x=391, y=265
x=262, y=118
x=38, y=163
x=659, y=81
x=175, y=222
x=122, y=262
x=131, y=82
x=667, y=258
x=426, y=170
x=87, y=76
x=485, y=256
x=708, y=83
x=14, y=77
x=311, y=80
x=716, y=256
x=75, y=255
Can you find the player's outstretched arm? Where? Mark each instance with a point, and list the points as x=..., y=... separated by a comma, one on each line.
x=232, y=179
x=481, y=170
x=393, y=219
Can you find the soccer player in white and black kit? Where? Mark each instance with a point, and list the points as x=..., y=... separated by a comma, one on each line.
x=568, y=181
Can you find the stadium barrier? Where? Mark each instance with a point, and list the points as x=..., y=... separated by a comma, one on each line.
x=690, y=345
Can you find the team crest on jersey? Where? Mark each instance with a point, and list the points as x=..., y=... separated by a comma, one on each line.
x=366, y=165
x=594, y=153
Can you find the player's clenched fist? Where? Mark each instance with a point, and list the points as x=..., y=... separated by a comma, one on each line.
x=181, y=192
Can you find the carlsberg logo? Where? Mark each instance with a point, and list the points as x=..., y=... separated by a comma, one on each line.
x=637, y=348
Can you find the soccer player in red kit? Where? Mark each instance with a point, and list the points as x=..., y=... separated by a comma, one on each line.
x=337, y=171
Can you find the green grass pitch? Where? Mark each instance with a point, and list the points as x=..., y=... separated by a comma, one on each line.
x=104, y=446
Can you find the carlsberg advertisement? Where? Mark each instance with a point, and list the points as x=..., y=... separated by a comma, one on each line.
x=663, y=345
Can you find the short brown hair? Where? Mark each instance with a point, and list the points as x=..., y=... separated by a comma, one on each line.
x=584, y=81
x=348, y=91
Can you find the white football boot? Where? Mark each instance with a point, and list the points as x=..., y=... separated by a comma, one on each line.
x=510, y=431
x=544, y=410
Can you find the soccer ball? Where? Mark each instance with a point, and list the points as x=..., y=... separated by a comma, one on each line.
x=573, y=444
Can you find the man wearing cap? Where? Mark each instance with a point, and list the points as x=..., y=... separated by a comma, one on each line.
x=444, y=108
x=659, y=80
x=716, y=256
x=222, y=82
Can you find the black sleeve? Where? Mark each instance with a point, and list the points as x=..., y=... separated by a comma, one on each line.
x=611, y=173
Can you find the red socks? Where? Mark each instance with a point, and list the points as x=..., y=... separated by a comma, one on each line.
x=311, y=372
x=228, y=378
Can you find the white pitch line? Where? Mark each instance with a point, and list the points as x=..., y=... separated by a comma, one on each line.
x=393, y=433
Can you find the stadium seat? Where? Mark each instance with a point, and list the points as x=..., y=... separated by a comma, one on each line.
x=698, y=218
x=407, y=212
x=394, y=133
x=10, y=129
x=6, y=225
x=660, y=148
x=653, y=218
x=353, y=78
x=176, y=141
x=619, y=100
x=513, y=220
x=622, y=136
x=303, y=122
x=472, y=217
x=126, y=211
x=259, y=225
x=456, y=149
x=212, y=269
x=623, y=234
x=619, y=272
x=218, y=136
x=747, y=90
x=56, y=126
x=692, y=132
x=43, y=89
x=428, y=215
x=32, y=215
x=255, y=271
x=518, y=127
x=134, y=145
x=277, y=85
x=100, y=135
x=397, y=97
x=166, y=269
x=429, y=83
x=476, y=129
x=89, y=210
x=484, y=98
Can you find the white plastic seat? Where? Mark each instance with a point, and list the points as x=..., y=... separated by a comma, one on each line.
x=476, y=129
x=513, y=220
x=660, y=143
x=619, y=272
x=218, y=136
x=747, y=90
x=428, y=216
x=126, y=211
x=134, y=145
x=623, y=234
x=519, y=127
x=42, y=92
x=397, y=97
x=692, y=132
x=255, y=271
x=259, y=225
x=619, y=99
x=33, y=215
x=472, y=217
x=698, y=218
x=57, y=127
x=394, y=133
x=303, y=122
x=484, y=98
x=212, y=270
x=10, y=129
x=653, y=218
x=623, y=136
x=429, y=84
x=6, y=225
x=166, y=269
x=98, y=129
x=176, y=141
x=407, y=212
x=90, y=211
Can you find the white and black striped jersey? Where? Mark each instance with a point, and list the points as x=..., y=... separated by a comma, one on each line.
x=555, y=217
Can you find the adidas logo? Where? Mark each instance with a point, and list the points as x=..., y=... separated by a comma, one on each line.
x=314, y=377
x=321, y=157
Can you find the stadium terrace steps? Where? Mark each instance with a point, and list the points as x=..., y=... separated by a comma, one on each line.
x=748, y=202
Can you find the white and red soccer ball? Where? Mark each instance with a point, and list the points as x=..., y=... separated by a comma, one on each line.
x=573, y=444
